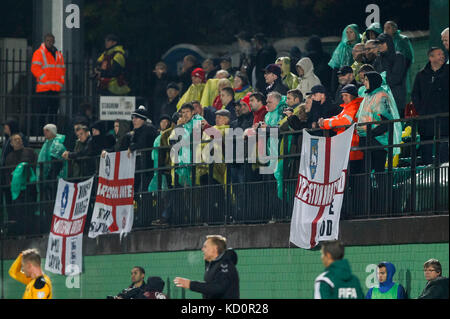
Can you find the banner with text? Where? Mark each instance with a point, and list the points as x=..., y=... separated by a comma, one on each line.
x=320, y=188
x=65, y=242
x=116, y=107
x=113, y=209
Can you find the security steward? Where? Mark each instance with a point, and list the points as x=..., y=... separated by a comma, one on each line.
x=48, y=68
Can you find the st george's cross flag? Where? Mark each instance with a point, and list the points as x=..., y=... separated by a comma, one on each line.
x=65, y=242
x=113, y=209
x=320, y=188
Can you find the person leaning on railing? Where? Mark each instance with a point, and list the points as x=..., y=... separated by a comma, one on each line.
x=377, y=105
x=82, y=166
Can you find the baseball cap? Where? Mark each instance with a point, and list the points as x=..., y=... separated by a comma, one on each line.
x=319, y=88
x=350, y=89
x=273, y=68
x=344, y=70
x=224, y=112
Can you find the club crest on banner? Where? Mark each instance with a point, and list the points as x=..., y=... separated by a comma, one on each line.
x=314, y=156
x=320, y=188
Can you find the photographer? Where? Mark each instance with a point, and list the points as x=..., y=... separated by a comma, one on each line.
x=136, y=289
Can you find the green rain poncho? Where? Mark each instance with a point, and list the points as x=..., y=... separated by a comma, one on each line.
x=184, y=156
x=375, y=27
x=342, y=55
x=272, y=119
x=22, y=174
x=153, y=186
x=376, y=103
x=52, y=150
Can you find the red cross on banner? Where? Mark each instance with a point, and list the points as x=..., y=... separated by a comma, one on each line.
x=113, y=210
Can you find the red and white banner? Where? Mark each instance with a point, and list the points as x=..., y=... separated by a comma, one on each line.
x=320, y=188
x=114, y=210
x=65, y=242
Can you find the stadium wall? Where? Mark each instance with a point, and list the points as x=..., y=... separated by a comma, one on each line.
x=267, y=266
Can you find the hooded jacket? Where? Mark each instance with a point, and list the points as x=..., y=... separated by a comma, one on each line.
x=289, y=78
x=221, y=280
x=375, y=27
x=337, y=282
x=378, y=104
x=308, y=79
x=112, y=74
x=394, y=63
x=384, y=291
x=342, y=55
x=319, y=58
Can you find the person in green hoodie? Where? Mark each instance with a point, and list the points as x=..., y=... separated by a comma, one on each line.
x=337, y=281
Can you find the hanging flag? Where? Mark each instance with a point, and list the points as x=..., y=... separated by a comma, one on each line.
x=113, y=209
x=65, y=242
x=320, y=188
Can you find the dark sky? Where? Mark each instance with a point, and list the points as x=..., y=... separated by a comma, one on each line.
x=154, y=26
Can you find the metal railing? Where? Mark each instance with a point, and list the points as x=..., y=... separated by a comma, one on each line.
x=19, y=100
x=410, y=189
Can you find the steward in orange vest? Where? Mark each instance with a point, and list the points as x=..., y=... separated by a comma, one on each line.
x=48, y=66
x=346, y=117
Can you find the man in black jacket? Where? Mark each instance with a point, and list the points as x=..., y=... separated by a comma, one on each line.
x=221, y=276
x=437, y=285
x=395, y=65
x=430, y=95
x=84, y=164
x=142, y=137
x=265, y=54
x=322, y=107
x=272, y=75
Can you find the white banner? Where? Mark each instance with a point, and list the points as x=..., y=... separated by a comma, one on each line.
x=65, y=242
x=114, y=210
x=320, y=188
x=116, y=107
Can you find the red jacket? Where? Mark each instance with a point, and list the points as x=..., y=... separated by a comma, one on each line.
x=258, y=116
x=346, y=117
x=49, y=71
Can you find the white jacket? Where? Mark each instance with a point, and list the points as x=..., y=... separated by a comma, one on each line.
x=309, y=79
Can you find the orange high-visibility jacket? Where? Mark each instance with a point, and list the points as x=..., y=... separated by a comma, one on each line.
x=346, y=117
x=48, y=71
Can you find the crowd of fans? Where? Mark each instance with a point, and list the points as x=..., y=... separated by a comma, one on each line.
x=364, y=80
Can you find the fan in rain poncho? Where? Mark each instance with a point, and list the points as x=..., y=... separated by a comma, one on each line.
x=342, y=55
x=379, y=104
x=272, y=119
x=195, y=91
x=289, y=79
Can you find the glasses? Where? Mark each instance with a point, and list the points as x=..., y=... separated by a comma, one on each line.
x=368, y=49
x=429, y=270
